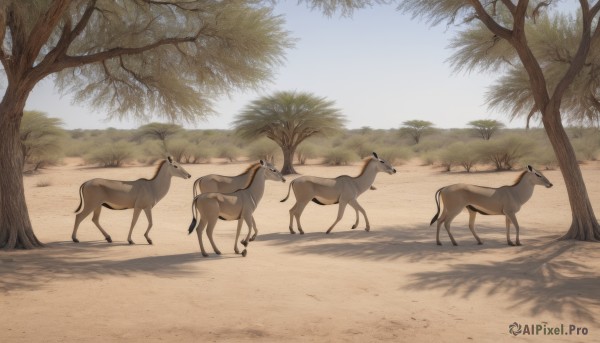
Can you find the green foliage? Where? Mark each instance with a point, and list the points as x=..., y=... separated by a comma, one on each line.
x=416, y=129
x=160, y=131
x=263, y=149
x=305, y=151
x=42, y=138
x=340, y=156
x=360, y=144
x=485, y=128
x=111, y=155
x=229, y=152
x=460, y=154
x=504, y=153
x=394, y=154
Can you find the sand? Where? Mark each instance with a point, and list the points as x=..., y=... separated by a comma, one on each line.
x=391, y=284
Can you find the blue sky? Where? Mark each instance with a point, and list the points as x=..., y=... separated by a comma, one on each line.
x=380, y=67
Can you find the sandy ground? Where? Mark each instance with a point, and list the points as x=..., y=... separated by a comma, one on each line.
x=390, y=284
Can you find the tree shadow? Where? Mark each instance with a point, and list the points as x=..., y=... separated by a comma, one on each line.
x=66, y=260
x=554, y=277
x=388, y=243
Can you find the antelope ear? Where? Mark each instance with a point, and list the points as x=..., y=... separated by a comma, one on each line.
x=262, y=163
x=375, y=154
x=530, y=168
x=170, y=159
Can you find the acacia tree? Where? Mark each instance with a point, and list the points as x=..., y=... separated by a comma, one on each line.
x=485, y=128
x=288, y=118
x=160, y=131
x=41, y=138
x=132, y=57
x=416, y=129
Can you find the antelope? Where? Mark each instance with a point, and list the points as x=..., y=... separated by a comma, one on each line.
x=214, y=183
x=239, y=205
x=506, y=200
x=141, y=194
x=343, y=190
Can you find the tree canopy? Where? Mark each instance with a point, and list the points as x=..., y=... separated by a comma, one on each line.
x=288, y=118
x=416, y=128
x=485, y=128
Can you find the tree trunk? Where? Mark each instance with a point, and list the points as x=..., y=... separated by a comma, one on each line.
x=15, y=227
x=584, y=225
x=288, y=158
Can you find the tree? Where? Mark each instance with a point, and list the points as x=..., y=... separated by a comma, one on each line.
x=288, y=118
x=41, y=138
x=131, y=57
x=485, y=128
x=551, y=55
x=160, y=131
x=415, y=129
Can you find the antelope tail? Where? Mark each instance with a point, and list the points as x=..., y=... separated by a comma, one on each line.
x=196, y=186
x=288, y=193
x=80, y=197
x=437, y=202
x=193, y=224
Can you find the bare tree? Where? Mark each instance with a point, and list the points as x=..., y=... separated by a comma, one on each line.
x=136, y=57
x=288, y=118
x=485, y=128
x=416, y=129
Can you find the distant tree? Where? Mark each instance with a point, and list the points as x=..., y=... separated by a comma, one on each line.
x=41, y=138
x=288, y=118
x=136, y=57
x=485, y=128
x=160, y=131
x=416, y=129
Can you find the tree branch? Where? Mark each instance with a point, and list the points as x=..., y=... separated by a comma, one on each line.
x=489, y=22
x=73, y=61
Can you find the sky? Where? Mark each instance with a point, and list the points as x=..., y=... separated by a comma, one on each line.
x=380, y=67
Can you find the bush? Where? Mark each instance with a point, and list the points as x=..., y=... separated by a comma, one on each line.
x=394, y=155
x=200, y=154
x=230, y=152
x=340, y=156
x=306, y=151
x=179, y=148
x=544, y=156
x=263, y=149
x=505, y=152
x=587, y=147
x=360, y=145
x=111, y=155
x=459, y=153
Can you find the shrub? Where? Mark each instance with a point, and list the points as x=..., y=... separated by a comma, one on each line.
x=394, y=155
x=360, y=145
x=200, y=154
x=230, y=152
x=587, y=147
x=459, y=153
x=111, y=155
x=263, y=149
x=306, y=151
x=340, y=156
x=179, y=148
x=505, y=152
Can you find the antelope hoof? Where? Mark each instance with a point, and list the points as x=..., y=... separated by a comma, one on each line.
x=218, y=252
x=236, y=251
x=518, y=243
x=149, y=241
x=292, y=231
x=438, y=243
x=75, y=240
x=244, y=253
x=353, y=227
x=108, y=239
x=368, y=229
x=301, y=231
x=244, y=243
x=130, y=241
x=511, y=243
x=454, y=243
x=204, y=254
x=252, y=238
x=480, y=243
